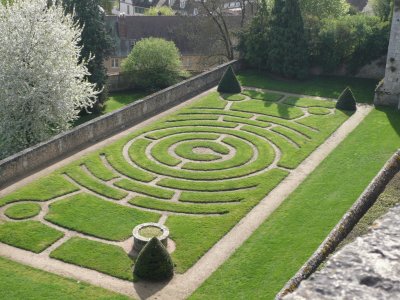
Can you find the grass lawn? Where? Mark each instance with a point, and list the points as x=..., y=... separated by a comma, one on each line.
x=160, y=168
x=388, y=199
x=22, y=282
x=93, y=216
x=23, y=211
x=323, y=86
x=279, y=247
x=108, y=259
x=29, y=235
x=115, y=100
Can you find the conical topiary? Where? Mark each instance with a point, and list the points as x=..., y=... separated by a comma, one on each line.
x=154, y=262
x=346, y=100
x=229, y=83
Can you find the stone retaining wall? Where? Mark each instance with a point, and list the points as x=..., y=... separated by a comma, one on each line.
x=346, y=224
x=39, y=156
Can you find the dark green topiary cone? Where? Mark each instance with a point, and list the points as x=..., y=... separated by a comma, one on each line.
x=229, y=83
x=346, y=101
x=154, y=262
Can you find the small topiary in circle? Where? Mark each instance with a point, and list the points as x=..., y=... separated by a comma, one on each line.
x=154, y=262
x=346, y=100
x=229, y=83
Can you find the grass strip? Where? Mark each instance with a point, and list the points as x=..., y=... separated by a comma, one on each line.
x=98, y=169
x=105, y=258
x=145, y=189
x=118, y=162
x=29, y=235
x=309, y=102
x=267, y=108
x=18, y=281
x=319, y=111
x=100, y=218
x=81, y=177
x=265, y=96
x=43, y=189
x=152, y=203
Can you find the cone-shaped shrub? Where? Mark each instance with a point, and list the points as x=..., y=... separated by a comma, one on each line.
x=154, y=262
x=229, y=83
x=346, y=100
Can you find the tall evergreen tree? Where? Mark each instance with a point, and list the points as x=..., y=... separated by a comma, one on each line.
x=95, y=40
x=254, y=40
x=276, y=37
x=288, y=53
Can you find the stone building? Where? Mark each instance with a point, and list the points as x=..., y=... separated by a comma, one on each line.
x=196, y=38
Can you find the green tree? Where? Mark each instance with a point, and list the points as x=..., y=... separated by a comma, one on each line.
x=153, y=63
x=382, y=9
x=287, y=51
x=366, y=37
x=254, y=39
x=95, y=41
x=324, y=8
x=108, y=5
x=5, y=2
x=159, y=11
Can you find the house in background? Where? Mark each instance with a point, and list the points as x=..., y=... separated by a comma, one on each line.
x=196, y=38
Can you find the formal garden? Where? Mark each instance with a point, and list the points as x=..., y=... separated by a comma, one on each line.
x=164, y=208
x=198, y=171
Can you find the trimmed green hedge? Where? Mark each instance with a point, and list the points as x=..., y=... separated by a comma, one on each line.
x=229, y=82
x=154, y=262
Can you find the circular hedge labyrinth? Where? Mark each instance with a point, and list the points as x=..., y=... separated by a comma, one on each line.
x=198, y=171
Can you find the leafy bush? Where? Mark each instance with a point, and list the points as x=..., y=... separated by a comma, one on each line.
x=154, y=262
x=346, y=100
x=153, y=63
x=366, y=38
x=229, y=83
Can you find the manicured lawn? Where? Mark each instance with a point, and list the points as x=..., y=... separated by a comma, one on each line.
x=43, y=189
x=108, y=259
x=93, y=216
x=22, y=282
x=116, y=100
x=279, y=247
x=323, y=86
x=29, y=235
x=23, y=211
x=158, y=169
x=388, y=199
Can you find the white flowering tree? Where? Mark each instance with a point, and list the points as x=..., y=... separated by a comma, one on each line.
x=42, y=86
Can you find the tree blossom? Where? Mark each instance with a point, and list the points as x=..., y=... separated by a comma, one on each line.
x=42, y=85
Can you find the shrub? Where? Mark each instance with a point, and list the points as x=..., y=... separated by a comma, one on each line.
x=154, y=262
x=229, y=83
x=153, y=63
x=366, y=39
x=346, y=100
